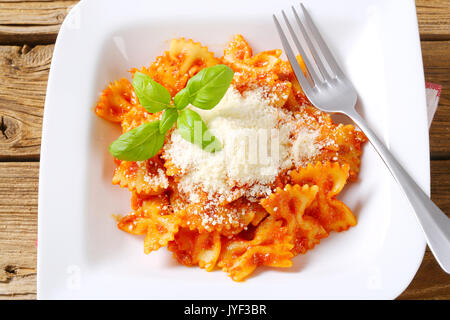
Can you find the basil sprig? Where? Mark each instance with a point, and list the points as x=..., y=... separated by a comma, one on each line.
x=168, y=119
x=204, y=91
x=209, y=86
x=138, y=144
x=152, y=96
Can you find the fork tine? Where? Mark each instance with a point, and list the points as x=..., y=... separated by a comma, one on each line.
x=308, y=64
x=322, y=45
x=315, y=55
x=291, y=57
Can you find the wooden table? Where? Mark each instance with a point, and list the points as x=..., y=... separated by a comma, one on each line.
x=28, y=31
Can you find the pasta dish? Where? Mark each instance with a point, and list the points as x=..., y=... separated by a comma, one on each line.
x=227, y=162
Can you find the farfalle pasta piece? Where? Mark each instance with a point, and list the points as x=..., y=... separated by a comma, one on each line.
x=193, y=55
x=134, y=224
x=271, y=246
x=290, y=204
x=203, y=216
x=277, y=255
x=237, y=50
x=154, y=219
x=262, y=70
x=175, y=67
x=116, y=100
x=346, y=148
x=160, y=231
x=137, y=222
x=239, y=56
x=164, y=224
x=144, y=177
x=331, y=178
x=137, y=116
x=338, y=143
x=193, y=248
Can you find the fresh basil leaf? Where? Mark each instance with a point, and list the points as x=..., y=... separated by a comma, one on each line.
x=182, y=99
x=152, y=96
x=192, y=128
x=139, y=144
x=208, y=87
x=168, y=119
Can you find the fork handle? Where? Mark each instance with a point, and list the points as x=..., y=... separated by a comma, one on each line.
x=434, y=222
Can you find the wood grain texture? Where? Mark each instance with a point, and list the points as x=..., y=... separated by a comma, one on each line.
x=434, y=19
x=18, y=229
x=440, y=184
x=18, y=225
x=32, y=22
x=436, y=61
x=38, y=22
x=23, y=82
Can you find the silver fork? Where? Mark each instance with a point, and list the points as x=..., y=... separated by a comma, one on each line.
x=331, y=91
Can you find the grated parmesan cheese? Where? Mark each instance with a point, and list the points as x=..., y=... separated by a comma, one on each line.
x=155, y=180
x=256, y=147
x=304, y=146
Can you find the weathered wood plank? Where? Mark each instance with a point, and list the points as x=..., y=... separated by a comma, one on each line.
x=437, y=69
x=38, y=22
x=440, y=128
x=440, y=184
x=434, y=19
x=32, y=22
x=18, y=233
x=23, y=82
x=18, y=229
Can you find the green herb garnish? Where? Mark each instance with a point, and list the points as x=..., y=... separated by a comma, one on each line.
x=152, y=96
x=138, y=144
x=204, y=91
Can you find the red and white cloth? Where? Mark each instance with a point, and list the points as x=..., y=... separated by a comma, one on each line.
x=433, y=93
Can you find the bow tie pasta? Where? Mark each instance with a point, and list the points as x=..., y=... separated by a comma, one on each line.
x=267, y=196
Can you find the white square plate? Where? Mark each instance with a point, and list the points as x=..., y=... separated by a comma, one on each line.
x=81, y=252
